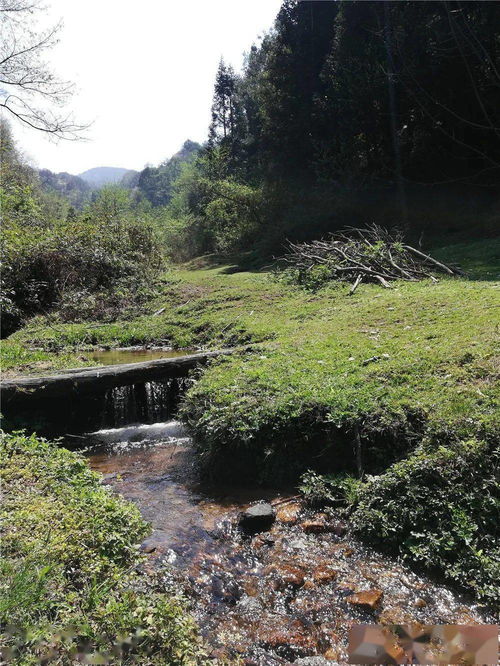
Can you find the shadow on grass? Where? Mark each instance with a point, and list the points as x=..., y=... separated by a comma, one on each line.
x=480, y=260
x=246, y=262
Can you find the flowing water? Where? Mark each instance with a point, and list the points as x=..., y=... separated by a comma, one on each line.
x=285, y=595
x=278, y=597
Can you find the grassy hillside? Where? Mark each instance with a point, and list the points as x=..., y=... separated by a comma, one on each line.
x=398, y=382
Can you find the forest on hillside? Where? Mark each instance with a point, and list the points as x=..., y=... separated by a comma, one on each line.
x=348, y=113
x=345, y=113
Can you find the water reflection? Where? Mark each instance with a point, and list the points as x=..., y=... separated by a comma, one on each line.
x=136, y=355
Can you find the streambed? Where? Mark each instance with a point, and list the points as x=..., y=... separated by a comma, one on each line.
x=278, y=597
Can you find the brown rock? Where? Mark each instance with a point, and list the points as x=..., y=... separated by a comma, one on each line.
x=251, y=588
x=420, y=603
x=346, y=586
x=288, y=574
x=289, y=513
x=320, y=523
x=261, y=540
x=332, y=654
x=314, y=526
x=368, y=599
x=292, y=634
x=324, y=574
x=396, y=615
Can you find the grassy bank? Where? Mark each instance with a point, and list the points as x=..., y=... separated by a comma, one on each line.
x=406, y=376
x=69, y=581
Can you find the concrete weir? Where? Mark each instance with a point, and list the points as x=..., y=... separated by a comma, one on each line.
x=88, y=380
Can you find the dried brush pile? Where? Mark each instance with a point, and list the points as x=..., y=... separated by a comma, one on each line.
x=354, y=255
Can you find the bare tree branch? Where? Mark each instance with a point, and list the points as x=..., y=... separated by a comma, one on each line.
x=29, y=90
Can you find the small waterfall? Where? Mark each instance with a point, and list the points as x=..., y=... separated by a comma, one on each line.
x=146, y=403
x=131, y=437
x=141, y=403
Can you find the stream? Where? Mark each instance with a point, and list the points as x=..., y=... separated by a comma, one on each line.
x=288, y=594
x=281, y=596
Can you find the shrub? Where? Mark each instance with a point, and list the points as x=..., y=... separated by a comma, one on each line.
x=44, y=266
x=439, y=508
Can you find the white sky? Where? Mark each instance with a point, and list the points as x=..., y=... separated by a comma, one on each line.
x=144, y=73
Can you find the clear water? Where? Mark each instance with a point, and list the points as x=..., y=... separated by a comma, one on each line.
x=136, y=355
x=258, y=598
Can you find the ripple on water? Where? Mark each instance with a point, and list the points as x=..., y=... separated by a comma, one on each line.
x=275, y=598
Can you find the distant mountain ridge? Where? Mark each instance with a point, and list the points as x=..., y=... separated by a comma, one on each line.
x=99, y=176
x=73, y=188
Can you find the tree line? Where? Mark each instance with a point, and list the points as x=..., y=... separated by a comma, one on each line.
x=350, y=112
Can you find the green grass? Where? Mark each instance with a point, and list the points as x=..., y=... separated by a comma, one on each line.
x=69, y=582
x=434, y=349
x=479, y=259
x=411, y=371
x=17, y=357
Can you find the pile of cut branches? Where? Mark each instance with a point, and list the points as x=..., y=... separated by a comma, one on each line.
x=354, y=255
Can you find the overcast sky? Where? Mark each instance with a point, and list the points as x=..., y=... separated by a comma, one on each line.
x=144, y=73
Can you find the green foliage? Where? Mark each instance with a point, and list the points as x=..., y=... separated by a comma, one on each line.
x=76, y=264
x=210, y=213
x=71, y=190
x=157, y=183
x=439, y=508
x=87, y=264
x=311, y=126
x=69, y=555
x=340, y=490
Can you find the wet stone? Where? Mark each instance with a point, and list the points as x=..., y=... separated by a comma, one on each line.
x=316, y=525
x=368, y=599
x=287, y=574
x=324, y=574
x=257, y=518
x=289, y=513
x=262, y=540
x=288, y=639
x=147, y=547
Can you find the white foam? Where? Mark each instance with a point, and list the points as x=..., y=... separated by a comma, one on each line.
x=168, y=431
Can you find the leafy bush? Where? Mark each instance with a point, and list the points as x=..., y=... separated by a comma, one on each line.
x=69, y=583
x=340, y=490
x=439, y=508
x=72, y=262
